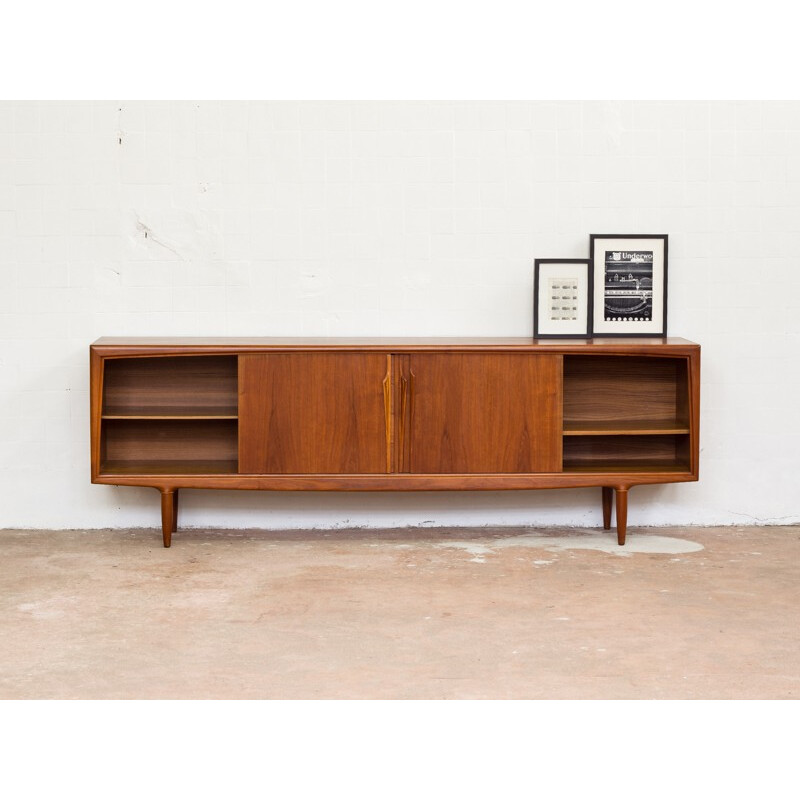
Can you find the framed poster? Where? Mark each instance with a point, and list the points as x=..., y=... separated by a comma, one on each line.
x=562, y=291
x=630, y=284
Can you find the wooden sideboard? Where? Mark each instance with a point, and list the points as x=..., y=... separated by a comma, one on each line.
x=394, y=414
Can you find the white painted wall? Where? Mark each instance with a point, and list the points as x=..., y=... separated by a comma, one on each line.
x=393, y=219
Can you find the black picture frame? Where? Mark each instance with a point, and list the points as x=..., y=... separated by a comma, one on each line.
x=538, y=321
x=646, y=320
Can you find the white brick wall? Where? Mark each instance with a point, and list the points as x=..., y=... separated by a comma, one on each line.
x=394, y=219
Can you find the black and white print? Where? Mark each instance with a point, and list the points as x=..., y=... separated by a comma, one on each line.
x=628, y=293
x=629, y=279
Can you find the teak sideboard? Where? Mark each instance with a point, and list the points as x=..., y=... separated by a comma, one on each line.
x=394, y=414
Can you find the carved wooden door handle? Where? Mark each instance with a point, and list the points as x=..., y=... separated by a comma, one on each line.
x=387, y=412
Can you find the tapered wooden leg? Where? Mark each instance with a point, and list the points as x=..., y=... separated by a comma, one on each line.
x=167, y=515
x=175, y=514
x=622, y=515
x=608, y=496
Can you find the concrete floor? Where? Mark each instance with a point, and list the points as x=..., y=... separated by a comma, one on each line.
x=416, y=613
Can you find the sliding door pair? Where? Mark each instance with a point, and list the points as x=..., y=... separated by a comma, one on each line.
x=422, y=413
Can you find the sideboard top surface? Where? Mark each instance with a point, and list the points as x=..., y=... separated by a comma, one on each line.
x=229, y=343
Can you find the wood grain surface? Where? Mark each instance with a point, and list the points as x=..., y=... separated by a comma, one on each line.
x=312, y=413
x=471, y=412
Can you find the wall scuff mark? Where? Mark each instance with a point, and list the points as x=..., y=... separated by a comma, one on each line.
x=148, y=234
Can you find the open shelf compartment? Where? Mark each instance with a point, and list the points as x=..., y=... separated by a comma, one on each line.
x=169, y=447
x=626, y=414
x=625, y=395
x=643, y=453
x=182, y=387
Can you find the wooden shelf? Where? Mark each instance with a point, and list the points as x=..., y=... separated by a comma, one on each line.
x=627, y=467
x=227, y=467
x=624, y=428
x=170, y=412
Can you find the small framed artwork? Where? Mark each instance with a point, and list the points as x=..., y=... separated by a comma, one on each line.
x=562, y=291
x=629, y=273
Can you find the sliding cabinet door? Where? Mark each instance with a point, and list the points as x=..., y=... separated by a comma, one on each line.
x=313, y=413
x=480, y=413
